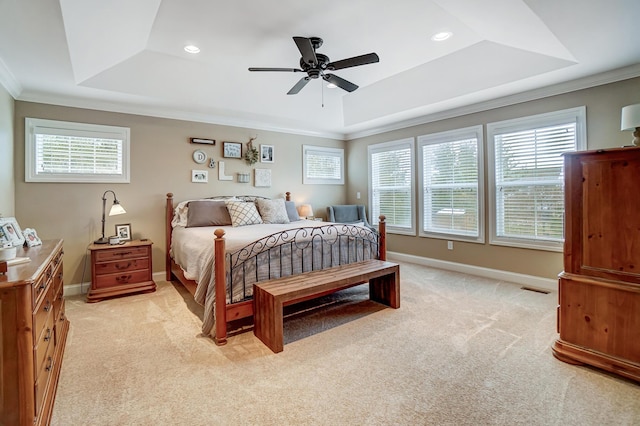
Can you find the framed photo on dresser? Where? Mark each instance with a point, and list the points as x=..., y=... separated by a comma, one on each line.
x=31, y=237
x=10, y=232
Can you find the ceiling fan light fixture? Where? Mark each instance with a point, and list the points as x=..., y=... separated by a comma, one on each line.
x=192, y=49
x=331, y=86
x=441, y=36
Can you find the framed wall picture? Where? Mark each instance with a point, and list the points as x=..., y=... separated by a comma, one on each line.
x=200, y=176
x=123, y=232
x=266, y=153
x=10, y=232
x=31, y=237
x=231, y=149
x=262, y=178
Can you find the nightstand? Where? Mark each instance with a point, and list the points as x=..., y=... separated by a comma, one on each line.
x=120, y=269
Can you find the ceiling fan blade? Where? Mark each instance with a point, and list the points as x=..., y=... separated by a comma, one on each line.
x=340, y=82
x=306, y=49
x=369, y=58
x=276, y=69
x=298, y=86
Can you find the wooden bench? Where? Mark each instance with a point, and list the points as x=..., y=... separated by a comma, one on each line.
x=269, y=297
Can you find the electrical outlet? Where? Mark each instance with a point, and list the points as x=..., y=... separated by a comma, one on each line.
x=450, y=245
x=358, y=195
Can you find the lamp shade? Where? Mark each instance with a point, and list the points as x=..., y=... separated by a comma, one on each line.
x=116, y=209
x=630, y=117
x=305, y=210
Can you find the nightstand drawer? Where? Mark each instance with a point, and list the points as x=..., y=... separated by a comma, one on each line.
x=131, y=277
x=122, y=266
x=121, y=253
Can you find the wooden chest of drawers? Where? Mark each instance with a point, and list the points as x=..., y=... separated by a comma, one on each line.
x=33, y=336
x=120, y=269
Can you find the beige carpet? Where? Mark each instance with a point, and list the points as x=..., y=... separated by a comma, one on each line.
x=461, y=350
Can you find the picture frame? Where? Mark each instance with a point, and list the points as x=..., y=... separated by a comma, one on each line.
x=200, y=176
x=231, y=149
x=267, y=153
x=203, y=141
x=10, y=232
x=31, y=238
x=123, y=231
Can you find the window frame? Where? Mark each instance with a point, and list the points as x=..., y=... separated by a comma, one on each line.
x=577, y=115
x=446, y=137
x=385, y=147
x=78, y=129
x=332, y=152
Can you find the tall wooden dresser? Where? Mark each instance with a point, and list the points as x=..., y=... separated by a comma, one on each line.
x=599, y=290
x=34, y=333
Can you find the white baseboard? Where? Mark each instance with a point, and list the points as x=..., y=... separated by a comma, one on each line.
x=82, y=288
x=520, y=279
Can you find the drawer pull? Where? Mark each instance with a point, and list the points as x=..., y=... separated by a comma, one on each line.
x=49, y=364
x=124, y=278
x=42, y=286
x=120, y=267
x=47, y=306
x=47, y=336
x=123, y=253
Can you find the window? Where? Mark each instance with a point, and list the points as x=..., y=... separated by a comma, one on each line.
x=527, y=177
x=451, y=200
x=59, y=151
x=322, y=165
x=391, y=185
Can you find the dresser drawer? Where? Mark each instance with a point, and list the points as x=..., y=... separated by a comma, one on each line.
x=121, y=266
x=121, y=253
x=58, y=320
x=39, y=286
x=42, y=345
x=43, y=311
x=43, y=377
x=111, y=280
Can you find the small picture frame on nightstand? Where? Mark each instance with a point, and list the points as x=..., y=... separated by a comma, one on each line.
x=124, y=232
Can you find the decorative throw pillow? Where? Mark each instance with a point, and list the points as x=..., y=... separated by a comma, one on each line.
x=243, y=213
x=273, y=211
x=292, y=212
x=207, y=213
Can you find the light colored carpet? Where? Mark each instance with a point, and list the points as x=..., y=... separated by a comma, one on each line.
x=461, y=350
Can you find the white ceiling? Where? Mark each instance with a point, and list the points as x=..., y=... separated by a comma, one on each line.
x=123, y=55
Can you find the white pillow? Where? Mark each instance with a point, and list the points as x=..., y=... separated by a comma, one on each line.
x=243, y=213
x=273, y=211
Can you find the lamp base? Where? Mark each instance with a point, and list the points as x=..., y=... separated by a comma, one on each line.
x=102, y=240
x=636, y=137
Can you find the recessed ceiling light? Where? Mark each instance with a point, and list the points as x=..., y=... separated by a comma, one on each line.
x=441, y=36
x=331, y=86
x=191, y=49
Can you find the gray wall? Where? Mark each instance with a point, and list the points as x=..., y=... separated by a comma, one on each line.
x=604, y=104
x=161, y=162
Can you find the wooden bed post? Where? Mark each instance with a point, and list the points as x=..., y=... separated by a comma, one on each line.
x=221, y=288
x=168, y=229
x=382, y=229
x=287, y=196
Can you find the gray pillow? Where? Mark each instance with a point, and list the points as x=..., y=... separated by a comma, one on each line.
x=273, y=211
x=207, y=213
x=292, y=212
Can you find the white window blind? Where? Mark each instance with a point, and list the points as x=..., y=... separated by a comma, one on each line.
x=323, y=165
x=392, y=185
x=449, y=186
x=529, y=178
x=75, y=152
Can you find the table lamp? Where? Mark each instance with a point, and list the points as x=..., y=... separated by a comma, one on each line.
x=631, y=121
x=305, y=211
x=116, y=209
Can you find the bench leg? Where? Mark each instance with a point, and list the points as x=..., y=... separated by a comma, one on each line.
x=386, y=289
x=267, y=318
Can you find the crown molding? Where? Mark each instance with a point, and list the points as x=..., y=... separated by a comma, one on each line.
x=8, y=81
x=613, y=76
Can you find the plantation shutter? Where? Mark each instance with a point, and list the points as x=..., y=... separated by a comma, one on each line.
x=392, y=184
x=323, y=165
x=529, y=179
x=450, y=185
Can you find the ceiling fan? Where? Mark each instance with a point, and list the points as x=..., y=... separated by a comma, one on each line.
x=315, y=64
